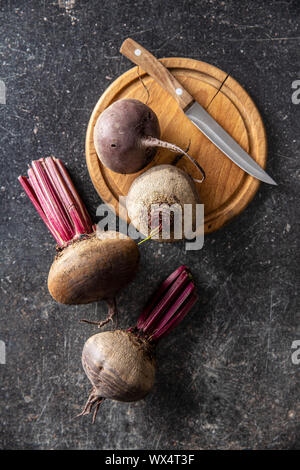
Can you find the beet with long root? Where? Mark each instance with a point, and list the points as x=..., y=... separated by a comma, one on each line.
x=120, y=364
x=89, y=266
x=127, y=135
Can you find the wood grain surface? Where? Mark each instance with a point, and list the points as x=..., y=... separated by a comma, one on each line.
x=227, y=189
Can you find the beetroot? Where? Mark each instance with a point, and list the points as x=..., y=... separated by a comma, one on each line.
x=126, y=137
x=121, y=364
x=88, y=266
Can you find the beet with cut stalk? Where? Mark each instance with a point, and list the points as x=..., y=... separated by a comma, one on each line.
x=157, y=197
x=120, y=364
x=89, y=266
x=126, y=137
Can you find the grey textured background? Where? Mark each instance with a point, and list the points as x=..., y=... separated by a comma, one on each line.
x=225, y=377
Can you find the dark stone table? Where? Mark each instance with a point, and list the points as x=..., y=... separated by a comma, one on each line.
x=226, y=378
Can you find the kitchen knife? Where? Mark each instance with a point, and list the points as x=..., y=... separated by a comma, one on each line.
x=193, y=110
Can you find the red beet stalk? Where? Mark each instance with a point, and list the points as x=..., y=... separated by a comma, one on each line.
x=169, y=305
x=51, y=191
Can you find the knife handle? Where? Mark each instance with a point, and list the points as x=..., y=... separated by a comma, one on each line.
x=140, y=56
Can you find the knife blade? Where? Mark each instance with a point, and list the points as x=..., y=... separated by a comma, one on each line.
x=193, y=110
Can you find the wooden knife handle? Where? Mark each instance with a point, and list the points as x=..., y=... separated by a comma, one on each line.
x=140, y=56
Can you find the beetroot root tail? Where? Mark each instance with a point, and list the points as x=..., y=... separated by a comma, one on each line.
x=154, y=142
x=93, y=401
x=112, y=315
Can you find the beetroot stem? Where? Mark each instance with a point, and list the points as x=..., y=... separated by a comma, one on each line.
x=161, y=290
x=167, y=299
x=176, y=305
x=32, y=196
x=173, y=300
x=66, y=199
x=80, y=206
x=49, y=200
x=176, y=320
x=50, y=189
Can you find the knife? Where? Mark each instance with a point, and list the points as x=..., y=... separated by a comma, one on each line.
x=193, y=110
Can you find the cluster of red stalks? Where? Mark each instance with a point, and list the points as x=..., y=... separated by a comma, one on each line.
x=51, y=191
x=169, y=305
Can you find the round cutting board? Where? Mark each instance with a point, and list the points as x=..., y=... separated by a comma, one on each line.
x=227, y=189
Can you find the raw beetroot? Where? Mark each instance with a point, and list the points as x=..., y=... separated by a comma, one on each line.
x=126, y=137
x=89, y=266
x=160, y=199
x=121, y=364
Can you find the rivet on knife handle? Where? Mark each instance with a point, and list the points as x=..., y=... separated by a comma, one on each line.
x=140, y=56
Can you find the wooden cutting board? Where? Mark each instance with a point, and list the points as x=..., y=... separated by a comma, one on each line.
x=227, y=189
